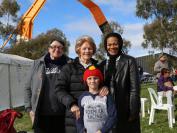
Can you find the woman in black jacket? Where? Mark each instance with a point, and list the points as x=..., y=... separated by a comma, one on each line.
x=121, y=76
x=70, y=85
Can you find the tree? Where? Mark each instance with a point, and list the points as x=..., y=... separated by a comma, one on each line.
x=8, y=16
x=161, y=32
x=37, y=47
x=100, y=54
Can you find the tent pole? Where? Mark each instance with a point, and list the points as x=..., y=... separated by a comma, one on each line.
x=10, y=98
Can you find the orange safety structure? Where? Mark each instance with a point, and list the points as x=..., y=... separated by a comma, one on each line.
x=98, y=15
x=25, y=26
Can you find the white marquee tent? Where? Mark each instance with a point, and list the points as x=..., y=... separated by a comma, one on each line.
x=13, y=75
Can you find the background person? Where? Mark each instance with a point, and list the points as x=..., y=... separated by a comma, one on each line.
x=121, y=76
x=46, y=113
x=161, y=63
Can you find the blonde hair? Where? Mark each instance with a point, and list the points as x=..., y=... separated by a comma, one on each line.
x=81, y=40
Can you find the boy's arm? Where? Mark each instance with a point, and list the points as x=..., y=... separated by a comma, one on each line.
x=112, y=115
x=80, y=121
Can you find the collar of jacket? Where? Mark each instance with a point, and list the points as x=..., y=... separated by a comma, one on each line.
x=42, y=59
x=119, y=64
x=93, y=61
x=107, y=60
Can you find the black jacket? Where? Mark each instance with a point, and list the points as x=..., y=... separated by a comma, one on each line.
x=125, y=89
x=68, y=89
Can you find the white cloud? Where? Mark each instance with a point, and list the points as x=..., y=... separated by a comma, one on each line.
x=134, y=33
x=121, y=5
x=84, y=26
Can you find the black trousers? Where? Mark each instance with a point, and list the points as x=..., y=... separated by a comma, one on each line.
x=128, y=127
x=50, y=124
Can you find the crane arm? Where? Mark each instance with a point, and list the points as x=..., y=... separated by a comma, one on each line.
x=98, y=15
x=25, y=26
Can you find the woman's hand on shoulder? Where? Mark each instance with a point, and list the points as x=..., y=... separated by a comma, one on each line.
x=104, y=91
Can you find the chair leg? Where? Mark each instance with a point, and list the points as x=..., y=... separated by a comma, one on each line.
x=151, y=118
x=173, y=114
x=170, y=117
x=153, y=113
x=142, y=109
x=148, y=108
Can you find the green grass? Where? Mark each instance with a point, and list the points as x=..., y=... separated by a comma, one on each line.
x=160, y=120
x=160, y=125
x=24, y=123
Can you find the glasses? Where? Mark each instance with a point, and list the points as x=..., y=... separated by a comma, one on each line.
x=56, y=47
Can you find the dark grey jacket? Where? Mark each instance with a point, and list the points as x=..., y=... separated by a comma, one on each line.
x=34, y=85
x=125, y=89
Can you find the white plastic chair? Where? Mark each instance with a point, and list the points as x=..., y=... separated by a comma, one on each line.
x=155, y=105
x=143, y=101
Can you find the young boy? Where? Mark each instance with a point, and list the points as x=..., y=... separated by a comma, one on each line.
x=97, y=113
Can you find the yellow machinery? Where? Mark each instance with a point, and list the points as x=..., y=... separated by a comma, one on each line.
x=25, y=26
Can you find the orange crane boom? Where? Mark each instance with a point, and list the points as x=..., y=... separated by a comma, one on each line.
x=25, y=26
x=98, y=15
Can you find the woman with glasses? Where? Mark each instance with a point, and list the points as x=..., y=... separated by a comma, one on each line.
x=46, y=113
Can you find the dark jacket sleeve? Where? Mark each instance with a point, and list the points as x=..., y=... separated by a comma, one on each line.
x=112, y=115
x=134, y=89
x=80, y=121
x=62, y=87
